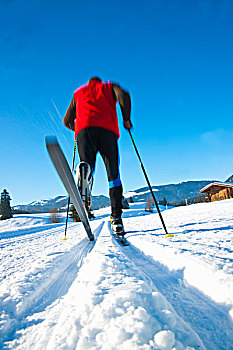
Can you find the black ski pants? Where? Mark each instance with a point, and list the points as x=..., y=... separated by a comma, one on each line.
x=92, y=140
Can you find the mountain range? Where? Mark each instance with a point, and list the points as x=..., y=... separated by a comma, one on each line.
x=172, y=193
x=45, y=205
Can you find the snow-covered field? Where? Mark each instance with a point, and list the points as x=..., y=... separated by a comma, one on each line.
x=158, y=293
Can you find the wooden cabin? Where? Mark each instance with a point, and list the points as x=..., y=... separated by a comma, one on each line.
x=217, y=191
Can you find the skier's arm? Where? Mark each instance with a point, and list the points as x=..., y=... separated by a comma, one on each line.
x=124, y=100
x=68, y=119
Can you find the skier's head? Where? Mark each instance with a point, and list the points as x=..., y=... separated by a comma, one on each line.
x=94, y=78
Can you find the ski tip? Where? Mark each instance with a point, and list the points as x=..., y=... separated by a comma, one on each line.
x=169, y=235
x=50, y=139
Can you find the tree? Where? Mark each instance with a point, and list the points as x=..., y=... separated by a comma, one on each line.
x=55, y=216
x=125, y=204
x=149, y=205
x=6, y=212
x=164, y=201
x=131, y=200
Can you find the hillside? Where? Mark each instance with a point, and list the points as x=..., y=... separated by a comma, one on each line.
x=157, y=293
x=45, y=205
x=172, y=193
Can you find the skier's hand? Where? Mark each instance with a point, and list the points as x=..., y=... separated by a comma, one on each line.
x=127, y=124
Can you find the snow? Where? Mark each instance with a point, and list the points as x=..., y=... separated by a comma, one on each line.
x=132, y=193
x=164, y=340
x=157, y=293
x=41, y=202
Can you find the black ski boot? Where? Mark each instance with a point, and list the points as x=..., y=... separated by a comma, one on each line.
x=91, y=216
x=117, y=225
x=84, y=181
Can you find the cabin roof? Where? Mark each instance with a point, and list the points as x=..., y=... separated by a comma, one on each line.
x=216, y=184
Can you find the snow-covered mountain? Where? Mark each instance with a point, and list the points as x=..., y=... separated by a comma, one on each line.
x=230, y=179
x=157, y=293
x=172, y=193
x=43, y=205
x=60, y=202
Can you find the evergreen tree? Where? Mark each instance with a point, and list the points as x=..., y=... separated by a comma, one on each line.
x=164, y=202
x=6, y=212
x=131, y=200
x=125, y=204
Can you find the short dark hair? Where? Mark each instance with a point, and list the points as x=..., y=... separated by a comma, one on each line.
x=94, y=78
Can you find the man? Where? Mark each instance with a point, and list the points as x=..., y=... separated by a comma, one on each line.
x=92, y=115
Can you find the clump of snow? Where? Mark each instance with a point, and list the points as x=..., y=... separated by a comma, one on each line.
x=164, y=340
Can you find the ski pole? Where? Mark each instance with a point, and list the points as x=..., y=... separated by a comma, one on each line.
x=68, y=204
x=148, y=183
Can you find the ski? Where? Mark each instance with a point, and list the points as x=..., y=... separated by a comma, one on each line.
x=120, y=239
x=64, y=172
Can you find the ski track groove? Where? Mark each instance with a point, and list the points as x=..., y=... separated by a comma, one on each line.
x=56, y=282
x=31, y=236
x=217, y=246
x=193, y=306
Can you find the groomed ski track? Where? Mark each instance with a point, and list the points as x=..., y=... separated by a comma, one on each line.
x=100, y=295
x=194, y=307
x=56, y=280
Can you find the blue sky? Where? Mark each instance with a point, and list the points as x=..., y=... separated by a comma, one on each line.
x=174, y=57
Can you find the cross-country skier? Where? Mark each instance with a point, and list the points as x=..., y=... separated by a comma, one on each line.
x=92, y=115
